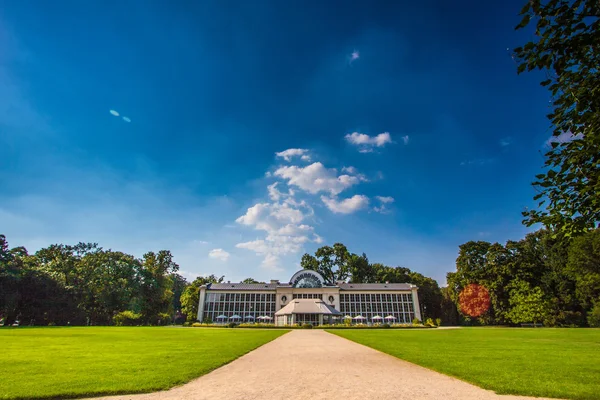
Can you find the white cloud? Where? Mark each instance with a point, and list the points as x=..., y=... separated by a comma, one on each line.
x=199, y=242
x=288, y=154
x=405, y=139
x=285, y=234
x=346, y=206
x=271, y=263
x=366, y=143
x=564, y=137
x=219, y=254
x=115, y=113
x=315, y=178
x=276, y=195
x=384, y=200
x=126, y=119
x=505, y=141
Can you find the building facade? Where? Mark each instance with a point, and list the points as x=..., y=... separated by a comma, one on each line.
x=308, y=298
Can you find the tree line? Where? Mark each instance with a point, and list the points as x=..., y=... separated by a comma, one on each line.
x=542, y=278
x=84, y=284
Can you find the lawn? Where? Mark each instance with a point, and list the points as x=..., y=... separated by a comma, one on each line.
x=560, y=363
x=83, y=361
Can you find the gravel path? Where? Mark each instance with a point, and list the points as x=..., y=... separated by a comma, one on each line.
x=313, y=364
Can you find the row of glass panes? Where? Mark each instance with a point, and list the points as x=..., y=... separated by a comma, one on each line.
x=376, y=307
x=245, y=307
x=376, y=297
x=308, y=296
x=214, y=314
x=240, y=297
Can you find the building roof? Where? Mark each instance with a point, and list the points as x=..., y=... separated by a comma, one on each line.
x=243, y=286
x=342, y=285
x=308, y=306
x=375, y=286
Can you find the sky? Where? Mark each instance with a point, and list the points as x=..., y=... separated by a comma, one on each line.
x=240, y=135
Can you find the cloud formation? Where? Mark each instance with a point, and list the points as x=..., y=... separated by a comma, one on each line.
x=383, y=202
x=405, y=139
x=346, y=206
x=366, y=143
x=315, y=178
x=219, y=254
x=288, y=154
x=282, y=222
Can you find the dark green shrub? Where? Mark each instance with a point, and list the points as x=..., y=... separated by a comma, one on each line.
x=186, y=323
x=386, y=326
x=163, y=319
x=416, y=321
x=438, y=321
x=207, y=320
x=593, y=316
x=307, y=326
x=51, y=324
x=127, y=318
x=231, y=325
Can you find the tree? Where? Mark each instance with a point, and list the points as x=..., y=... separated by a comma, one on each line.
x=179, y=285
x=110, y=283
x=333, y=263
x=361, y=271
x=251, y=280
x=584, y=267
x=527, y=304
x=567, y=48
x=474, y=300
x=594, y=316
x=191, y=296
x=156, y=285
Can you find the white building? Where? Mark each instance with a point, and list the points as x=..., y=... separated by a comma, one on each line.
x=308, y=298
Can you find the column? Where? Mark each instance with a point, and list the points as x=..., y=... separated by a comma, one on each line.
x=201, y=297
x=416, y=305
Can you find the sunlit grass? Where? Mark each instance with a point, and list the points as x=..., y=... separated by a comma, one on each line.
x=560, y=363
x=76, y=362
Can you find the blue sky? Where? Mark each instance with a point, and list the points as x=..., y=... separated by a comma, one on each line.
x=402, y=131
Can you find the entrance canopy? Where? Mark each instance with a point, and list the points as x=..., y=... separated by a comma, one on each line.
x=308, y=306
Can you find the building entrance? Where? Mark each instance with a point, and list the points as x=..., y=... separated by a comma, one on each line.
x=307, y=319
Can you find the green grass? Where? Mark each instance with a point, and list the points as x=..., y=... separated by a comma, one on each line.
x=560, y=363
x=72, y=362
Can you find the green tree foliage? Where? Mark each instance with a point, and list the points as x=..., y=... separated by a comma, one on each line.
x=584, y=267
x=156, y=293
x=333, y=263
x=527, y=304
x=338, y=264
x=251, y=280
x=542, y=270
x=593, y=317
x=84, y=284
x=191, y=295
x=566, y=46
x=179, y=285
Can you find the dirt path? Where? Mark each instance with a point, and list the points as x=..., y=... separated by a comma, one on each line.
x=313, y=364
